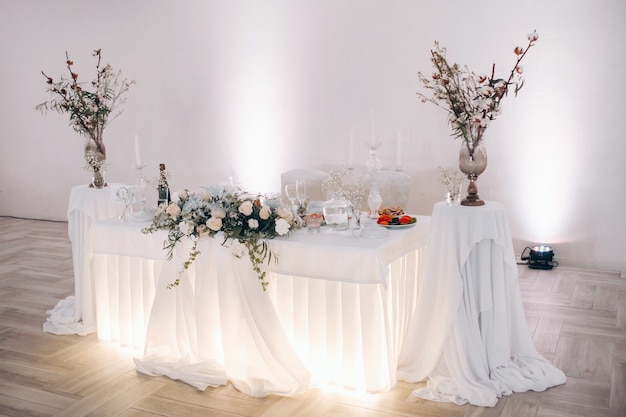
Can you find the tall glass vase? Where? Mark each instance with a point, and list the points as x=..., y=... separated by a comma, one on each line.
x=472, y=162
x=97, y=179
x=95, y=159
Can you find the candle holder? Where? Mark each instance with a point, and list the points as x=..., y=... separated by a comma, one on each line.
x=374, y=163
x=140, y=196
x=374, y=199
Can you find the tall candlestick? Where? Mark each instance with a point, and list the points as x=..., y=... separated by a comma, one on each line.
x=137, y=155
x=373, y=128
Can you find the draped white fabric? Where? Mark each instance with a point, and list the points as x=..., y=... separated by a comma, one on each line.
x=218, y=324
x=76, y=314
x=352, y=312
x=349, y=334
x=126, y=266
x=469, y=336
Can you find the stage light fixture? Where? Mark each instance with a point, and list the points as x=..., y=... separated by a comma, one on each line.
x=539, y=257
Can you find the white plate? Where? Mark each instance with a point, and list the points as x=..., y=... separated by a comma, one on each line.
x=397, y=226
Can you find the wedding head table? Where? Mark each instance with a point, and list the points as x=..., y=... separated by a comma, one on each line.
x=437, y=301
x=335, y=311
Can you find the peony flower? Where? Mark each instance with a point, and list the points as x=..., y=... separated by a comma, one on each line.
x=282, y=226
x=173, y=210
x=186, y=228
x=214, y=223
x=246, y=208
x=265, y=212
x=218, y=212
x=253, y=224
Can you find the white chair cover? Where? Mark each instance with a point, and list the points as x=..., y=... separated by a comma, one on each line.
x=394, y=187
x=313, y=178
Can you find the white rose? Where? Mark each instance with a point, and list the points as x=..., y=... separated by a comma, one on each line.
x=173, y=210
x=246, y=208
x=253, y=224
x=218, y=212
x=282, y=227
x=214, y=223
x=186, y=228
x=265, y=212
x=183, y=195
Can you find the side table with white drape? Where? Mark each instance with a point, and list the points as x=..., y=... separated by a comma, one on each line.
x=76, y=314
x=469, y=337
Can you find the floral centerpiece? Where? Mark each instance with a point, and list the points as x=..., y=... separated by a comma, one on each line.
x=471, y=100
x=91, y=106
x=244, y=224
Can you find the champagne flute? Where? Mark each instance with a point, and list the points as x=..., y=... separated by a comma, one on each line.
x=290, y=193
x=301, y=192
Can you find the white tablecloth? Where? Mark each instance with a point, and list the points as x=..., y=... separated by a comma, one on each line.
x=76, y=314
x=125, y=268
x=336, y=312
x=469, y=336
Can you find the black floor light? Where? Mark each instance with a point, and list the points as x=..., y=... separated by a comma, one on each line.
x=539, y=257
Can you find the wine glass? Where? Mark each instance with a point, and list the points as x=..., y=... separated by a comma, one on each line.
x=290, y=193
x=301, y=192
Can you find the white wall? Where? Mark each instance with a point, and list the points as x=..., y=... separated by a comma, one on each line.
x=260, y=87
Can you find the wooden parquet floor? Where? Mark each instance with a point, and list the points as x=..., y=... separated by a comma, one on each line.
x=577, y=319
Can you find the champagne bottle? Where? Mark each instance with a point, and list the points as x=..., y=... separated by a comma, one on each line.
x=163, y=187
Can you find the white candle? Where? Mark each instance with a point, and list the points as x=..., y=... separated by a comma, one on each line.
x=137, y=155
x=372, y=126
x=350, y=155
x=398, y=151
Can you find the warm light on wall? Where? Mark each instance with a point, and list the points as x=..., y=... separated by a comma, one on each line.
x=257, y=119
x=547, y=190
x=257, y=133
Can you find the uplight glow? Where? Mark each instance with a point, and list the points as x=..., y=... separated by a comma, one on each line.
x=548, y=189
x=258, y=132
x=257, y=116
